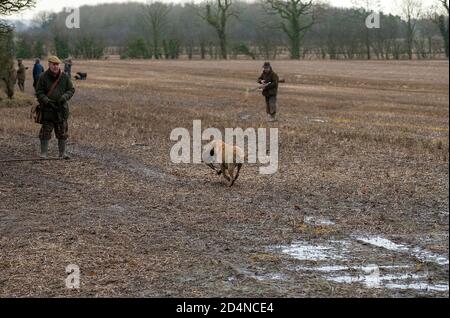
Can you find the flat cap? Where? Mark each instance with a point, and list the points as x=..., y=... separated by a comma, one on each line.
x=54, y=59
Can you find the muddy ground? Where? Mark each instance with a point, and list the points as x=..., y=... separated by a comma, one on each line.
x=358, y=208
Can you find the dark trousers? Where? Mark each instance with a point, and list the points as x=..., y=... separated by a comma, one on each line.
x=21, y=85
x=271, y=104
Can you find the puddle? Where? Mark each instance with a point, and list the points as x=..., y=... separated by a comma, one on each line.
x=315, y=221
x=419, y=286
x=330, y=268
x=337, y=268
x=429, y=256
x=273, y=276
x=423, y=255
x=345, y=262
x=382, y=242
x=305, y=252
x=372, y=279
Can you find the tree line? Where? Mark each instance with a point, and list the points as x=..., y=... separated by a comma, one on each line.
x=224, y=29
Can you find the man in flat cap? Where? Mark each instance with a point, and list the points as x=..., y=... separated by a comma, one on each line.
x=269, y=87
x=53, y=90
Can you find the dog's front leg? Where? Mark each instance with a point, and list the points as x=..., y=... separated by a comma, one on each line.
x=214, y=168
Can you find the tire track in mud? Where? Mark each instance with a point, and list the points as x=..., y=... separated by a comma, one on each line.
x=118, y=161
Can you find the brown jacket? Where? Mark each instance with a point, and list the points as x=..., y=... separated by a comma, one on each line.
x=272, y=78
x=21, y=72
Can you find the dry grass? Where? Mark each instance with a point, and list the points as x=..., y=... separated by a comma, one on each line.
x=20, y=100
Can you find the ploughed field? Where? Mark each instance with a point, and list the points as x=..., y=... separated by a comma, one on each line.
x=359, y=206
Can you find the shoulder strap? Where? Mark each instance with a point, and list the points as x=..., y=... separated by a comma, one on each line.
x=52, y=88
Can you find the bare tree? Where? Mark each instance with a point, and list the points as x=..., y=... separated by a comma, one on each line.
x=155, y=18
x=368, y=6
x=217, y=15
x=5, y=28
x=297, y=16
x=8, y=7
x=44, y=19
x=441, y=19
x=411, y=10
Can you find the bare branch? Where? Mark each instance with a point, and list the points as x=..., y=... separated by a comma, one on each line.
x=8, y=7
x=297, y=16
x=217, y=16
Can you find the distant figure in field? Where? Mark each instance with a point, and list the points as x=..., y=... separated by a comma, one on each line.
x=53, y=90
x=68, y=67
x=81, y=76
x=38, y=69
x=8, y=76
x=21, y=75
x=269, y=87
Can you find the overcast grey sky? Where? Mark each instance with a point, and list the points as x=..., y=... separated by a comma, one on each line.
x=58, y=5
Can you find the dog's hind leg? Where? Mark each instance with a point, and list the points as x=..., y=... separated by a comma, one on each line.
x=231, y=173
x=223, y=170
x=239, y=166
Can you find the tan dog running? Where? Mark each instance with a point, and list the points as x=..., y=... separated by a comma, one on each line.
x=229, y=159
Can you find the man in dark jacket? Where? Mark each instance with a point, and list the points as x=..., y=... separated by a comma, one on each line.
x=53, y=90
x=38, y=69
x=269, y=86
